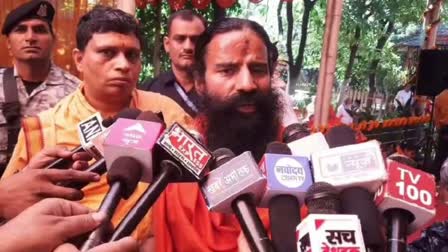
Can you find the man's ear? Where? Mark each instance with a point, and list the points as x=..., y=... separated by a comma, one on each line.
x=8, y=45
x=166, y=44
x=199, y=85
x=78, y=56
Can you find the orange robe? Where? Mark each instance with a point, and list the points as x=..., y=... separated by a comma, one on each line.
x=58, y=126
x=182, y=221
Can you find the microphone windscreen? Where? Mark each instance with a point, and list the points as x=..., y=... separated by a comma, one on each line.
x=322, y=198
x=340, y=135
x=278, y=148
x=294, y=132
x=127, y=113
x=359, y=201
x=149, y=116
x=127, y=171
x=284, y=213
x=404, y=160
x=222, y=155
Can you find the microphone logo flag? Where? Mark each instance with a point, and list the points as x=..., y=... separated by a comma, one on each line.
x=186, y=149
x=285, y=174
x=330, y=232
x=351, y=165
x=238, y=176
x=289, y=172
x=408, y=188
x=133, y=138
x=133, y=134
x=90, y=128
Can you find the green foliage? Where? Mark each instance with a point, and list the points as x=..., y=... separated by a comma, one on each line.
x=149, y=21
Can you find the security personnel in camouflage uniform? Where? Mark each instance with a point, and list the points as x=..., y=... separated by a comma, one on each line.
x=34, y=84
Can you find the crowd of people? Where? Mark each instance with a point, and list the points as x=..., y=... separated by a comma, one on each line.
x=220, y=84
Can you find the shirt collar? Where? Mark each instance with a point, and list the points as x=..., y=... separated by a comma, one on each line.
x=54, y=75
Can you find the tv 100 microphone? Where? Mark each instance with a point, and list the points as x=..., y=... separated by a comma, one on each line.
x=351, y=165
x=330, y=232
x=407, y=201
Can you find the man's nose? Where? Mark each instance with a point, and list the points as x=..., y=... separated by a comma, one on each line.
x=245, y=81
x=30, y=35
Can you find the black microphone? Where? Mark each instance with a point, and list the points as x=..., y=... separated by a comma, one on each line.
x=123, y=177
x=185, y=160
x=237, y=186
x=322, y=198
x=284, y=208
x=89, y=130
x=294, y=132
x=340, y=135
x=359, y=201
x=168, y=171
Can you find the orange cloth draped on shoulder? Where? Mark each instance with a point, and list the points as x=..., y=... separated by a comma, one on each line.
x=183, y=223
x=58, y=126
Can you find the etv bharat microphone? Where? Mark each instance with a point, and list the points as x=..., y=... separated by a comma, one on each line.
x=236, y=185
x=288, y=178
x=180, y=157
x=407, y=202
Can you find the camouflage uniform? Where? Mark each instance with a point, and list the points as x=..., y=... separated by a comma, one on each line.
x=434, y=239
x=58, y=84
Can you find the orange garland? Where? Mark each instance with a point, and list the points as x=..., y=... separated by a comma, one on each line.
x=367, y=126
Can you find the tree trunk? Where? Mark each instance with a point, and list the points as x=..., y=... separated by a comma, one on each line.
x=293, y=75
x=309, y=5
x=351, y=62
x=295, y=65
x=374, y=64
x=157, y=41
x=279, y=17
x=218, y=12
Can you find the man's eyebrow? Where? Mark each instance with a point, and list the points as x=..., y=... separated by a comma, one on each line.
x=259, y=64
x=226, y=64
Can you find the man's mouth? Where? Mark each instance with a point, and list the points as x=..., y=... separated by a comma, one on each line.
x=31, y=48
x=247, y=108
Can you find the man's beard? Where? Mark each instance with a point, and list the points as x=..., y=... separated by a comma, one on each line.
x=229, y=128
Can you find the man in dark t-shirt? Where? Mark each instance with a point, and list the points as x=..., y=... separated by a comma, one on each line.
x=184, y=27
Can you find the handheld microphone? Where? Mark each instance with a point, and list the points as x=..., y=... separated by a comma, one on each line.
x=183, y=147
x=178, y=151
x=89, y=130
x=237, y=185
x=123, y=177
x=307, y=145
x=330, y=232
x=351, y=165
x=288, y=178
x=134, y=138
x=322, y=198
x=295, y=132
x=340, y=135
x=407, y=202
x=359, y=201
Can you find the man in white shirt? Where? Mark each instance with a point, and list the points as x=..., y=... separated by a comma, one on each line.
x=344, y=113
x=403, y=96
